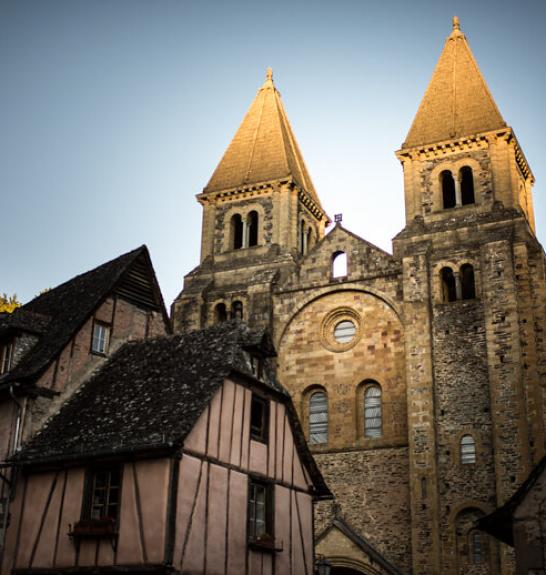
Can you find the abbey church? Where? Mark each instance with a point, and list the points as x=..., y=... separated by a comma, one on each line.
x=418, y=375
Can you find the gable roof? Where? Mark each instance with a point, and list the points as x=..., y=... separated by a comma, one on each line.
x=149, y=395
x=457, y=101
x=361, y=542
x=57, y=314
x=499, y=522
x=263, y=149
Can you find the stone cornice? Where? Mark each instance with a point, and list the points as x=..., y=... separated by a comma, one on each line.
x=261, y=189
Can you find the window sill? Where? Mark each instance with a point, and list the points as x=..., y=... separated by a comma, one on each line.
x=265, y=544
x=99, y=353
x=94, y=528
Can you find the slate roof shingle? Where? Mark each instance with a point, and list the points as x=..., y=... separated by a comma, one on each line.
x=150, y=394
x=59, y=312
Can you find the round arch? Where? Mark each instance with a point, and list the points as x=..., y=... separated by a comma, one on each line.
x=349, y=566
x=336, y=289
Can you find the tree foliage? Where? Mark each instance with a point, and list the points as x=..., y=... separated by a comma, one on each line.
x=8, y=303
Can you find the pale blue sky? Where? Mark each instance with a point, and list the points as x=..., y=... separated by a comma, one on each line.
x=114, y=114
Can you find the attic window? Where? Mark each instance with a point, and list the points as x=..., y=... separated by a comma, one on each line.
x=6, y=356
x=259, y=418
x=101, y=338
x=256, y=365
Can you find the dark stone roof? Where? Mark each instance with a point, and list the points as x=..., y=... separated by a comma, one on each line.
x=499, y=522
x=57, y=314
x=149, y=395
x=23, y=320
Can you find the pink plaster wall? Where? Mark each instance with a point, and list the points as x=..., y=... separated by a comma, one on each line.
x=130, y=546
x=223, y=435
x=212, y=499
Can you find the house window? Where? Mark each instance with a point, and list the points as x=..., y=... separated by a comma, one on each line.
x=6, y=356
x=259, y=418
x=339, y=265
x=467, y=185
x=260, y=512
x=101, y=338
x=104, y=498
x=468, y=450
x=448, y=189
x=372, y=411
x=318, y=418
x=256, y=365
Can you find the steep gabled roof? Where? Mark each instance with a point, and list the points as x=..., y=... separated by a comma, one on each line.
x=57, y=314
x=457, y=101
x=150, y=394
x=263, y=149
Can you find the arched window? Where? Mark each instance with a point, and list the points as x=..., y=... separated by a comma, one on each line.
x=339, y=264
x=468, y=287
x=220, y=312
x=236, y=232
x=476, y=545
x=253, y=229
x=472, y=547
x=449, y=291
x=467, y=185
x=237, y=310
x=448, y=189
x=318, y=418
x=372, y=411
x=468, y=449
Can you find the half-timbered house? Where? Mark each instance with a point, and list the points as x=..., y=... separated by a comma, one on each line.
x=52, y=344
x=182, y=454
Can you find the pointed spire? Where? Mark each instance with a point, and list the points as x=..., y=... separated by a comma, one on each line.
x=264, y=147
x=457, y=101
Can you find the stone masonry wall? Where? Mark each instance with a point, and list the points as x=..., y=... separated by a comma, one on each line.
x=371, y=489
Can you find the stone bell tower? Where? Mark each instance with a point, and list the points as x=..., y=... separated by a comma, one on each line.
x=474, y=307
x=260, y=215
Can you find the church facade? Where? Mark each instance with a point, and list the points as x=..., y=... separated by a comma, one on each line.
x=418, y=375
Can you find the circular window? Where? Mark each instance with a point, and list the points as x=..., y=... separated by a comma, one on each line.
x=344, y=331
x=340, y=329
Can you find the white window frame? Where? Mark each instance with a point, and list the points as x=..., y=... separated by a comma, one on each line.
x=100, y=340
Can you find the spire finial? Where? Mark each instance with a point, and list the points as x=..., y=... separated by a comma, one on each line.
x=456, y=23
x=269, y=74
